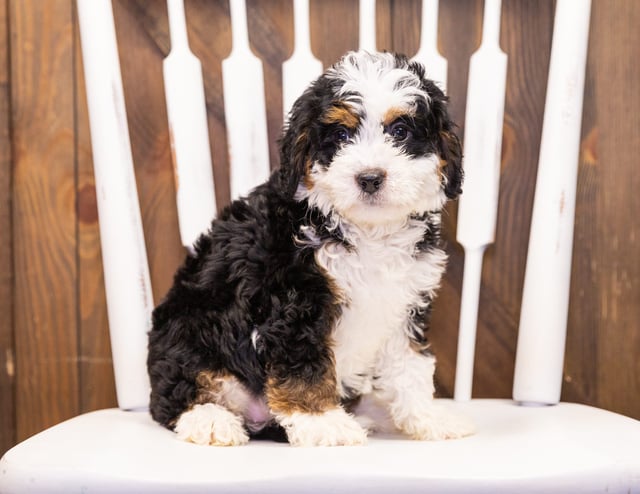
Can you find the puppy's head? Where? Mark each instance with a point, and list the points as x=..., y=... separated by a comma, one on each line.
x=371, y=141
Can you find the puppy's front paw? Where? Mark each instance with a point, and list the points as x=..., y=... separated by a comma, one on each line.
x=436, y=423
x=211, y=424
x=332, y=428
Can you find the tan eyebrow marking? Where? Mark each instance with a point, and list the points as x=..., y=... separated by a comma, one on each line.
x=341, y=114
x=394, y=113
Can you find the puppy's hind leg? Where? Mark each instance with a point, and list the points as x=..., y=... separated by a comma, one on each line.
x=216, y=416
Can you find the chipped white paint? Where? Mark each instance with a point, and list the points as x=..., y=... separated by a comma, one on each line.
x=124, y=255
x=545, y=298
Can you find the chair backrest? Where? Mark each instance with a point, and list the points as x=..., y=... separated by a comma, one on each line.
x=125, y=265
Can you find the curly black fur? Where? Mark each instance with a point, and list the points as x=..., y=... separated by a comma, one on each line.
x=248, y=274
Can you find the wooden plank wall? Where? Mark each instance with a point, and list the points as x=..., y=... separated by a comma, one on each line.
x=7, y=359
x=54, y=346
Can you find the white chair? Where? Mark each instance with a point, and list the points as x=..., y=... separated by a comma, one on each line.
x=553, y=447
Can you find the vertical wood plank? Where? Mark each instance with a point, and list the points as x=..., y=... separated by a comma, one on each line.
x=384, y=33
x=580, y=381
x=96, y=377
x=7, y=358
x=615, y=73
x=271, y=38
x=334, y=28
x=404, y=18
x=42, y=87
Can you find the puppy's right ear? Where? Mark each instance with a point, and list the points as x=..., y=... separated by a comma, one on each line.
x=300, y=132
x=295, y=149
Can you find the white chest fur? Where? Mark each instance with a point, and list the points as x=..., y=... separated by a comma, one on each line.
x=381, y=277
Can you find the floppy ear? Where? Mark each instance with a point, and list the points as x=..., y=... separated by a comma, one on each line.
x=451, y=154
x=301, y=133
x=447, y=142
x=294, y=154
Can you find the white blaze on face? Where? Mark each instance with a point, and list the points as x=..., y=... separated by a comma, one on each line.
x=378, y=92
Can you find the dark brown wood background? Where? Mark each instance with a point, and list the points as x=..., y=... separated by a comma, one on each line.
x=54, y=347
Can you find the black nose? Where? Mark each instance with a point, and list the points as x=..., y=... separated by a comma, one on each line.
x=370, y=182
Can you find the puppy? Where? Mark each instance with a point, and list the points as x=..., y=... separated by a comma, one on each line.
x=309, y=298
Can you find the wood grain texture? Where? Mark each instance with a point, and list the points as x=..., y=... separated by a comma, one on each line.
x=334, y=28
x=614, y=76
x=272, y=21
x=62, y=356
x=7, y=349
x=404, y=26
x=210, y=40
x=42, y=95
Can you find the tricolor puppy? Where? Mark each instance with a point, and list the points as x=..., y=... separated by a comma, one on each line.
x=308, y=301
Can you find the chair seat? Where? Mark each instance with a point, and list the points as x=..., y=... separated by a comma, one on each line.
x=563, y=448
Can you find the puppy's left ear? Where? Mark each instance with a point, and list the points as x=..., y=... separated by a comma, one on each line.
x=447, y=142
x=450, y=152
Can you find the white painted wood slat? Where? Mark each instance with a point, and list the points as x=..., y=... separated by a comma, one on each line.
x=367, y=16
x=478, y=206
x=187, y=114
x=245, y=109
x=302, y=67
x=124, y=255
x=428, y=53
x=545, y=298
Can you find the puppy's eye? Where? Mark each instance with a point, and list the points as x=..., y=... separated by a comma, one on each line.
x=399, y=131
x=341, y=135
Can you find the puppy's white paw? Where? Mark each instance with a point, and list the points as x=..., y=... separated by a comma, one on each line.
x=211, y=424
x=435, y=423
x=332, y=428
